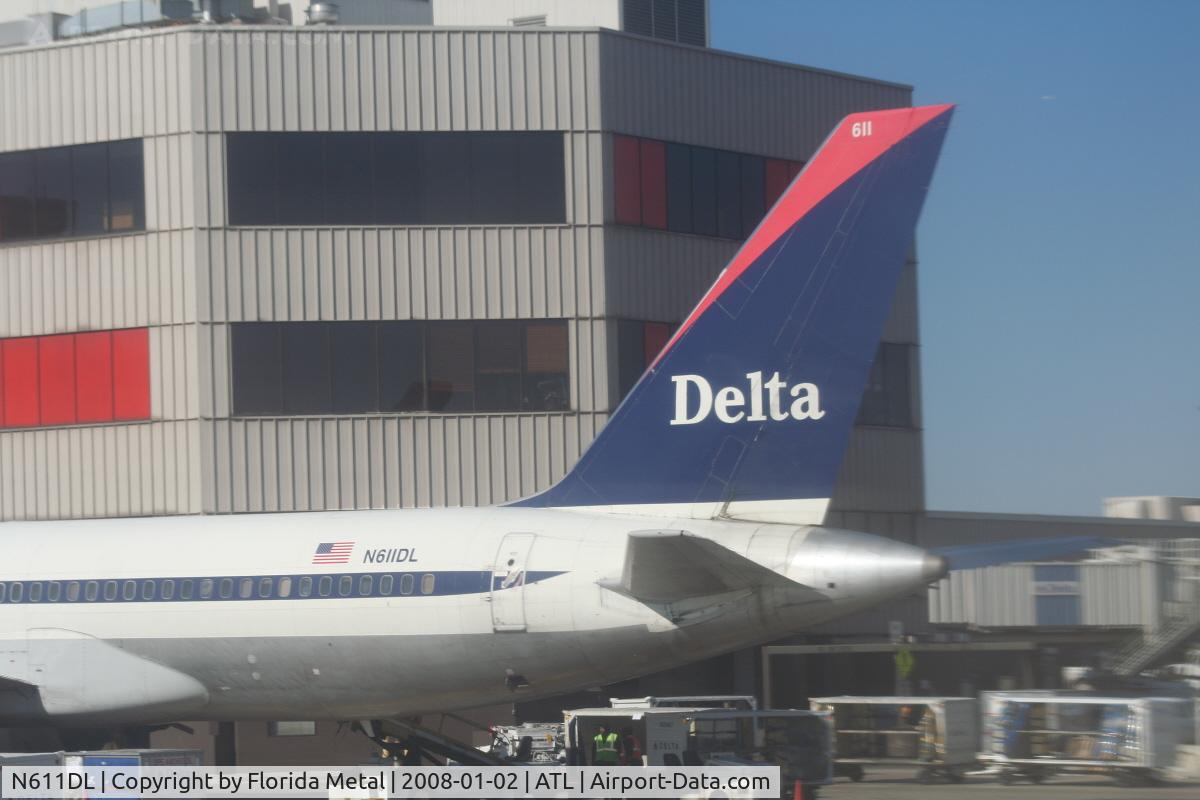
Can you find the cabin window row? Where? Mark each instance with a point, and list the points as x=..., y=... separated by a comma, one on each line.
x=689, y=189
x=281, y=587
x=386, y=367
x=99, y=376
x=459, y=178
x=81, y=190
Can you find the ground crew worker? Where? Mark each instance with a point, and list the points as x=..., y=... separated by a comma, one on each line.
x=604, y=747
x=631, y=748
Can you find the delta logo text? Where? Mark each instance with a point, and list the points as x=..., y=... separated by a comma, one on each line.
x=759, y=401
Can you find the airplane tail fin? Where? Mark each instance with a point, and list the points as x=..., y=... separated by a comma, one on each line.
x=748, y=409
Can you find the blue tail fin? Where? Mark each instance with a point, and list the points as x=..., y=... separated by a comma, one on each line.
x=748, y=409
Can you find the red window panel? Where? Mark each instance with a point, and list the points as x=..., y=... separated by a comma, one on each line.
x=131, y=373
x=778, y=177
x=94, y=376
x=654, y=184
x=56, y=379
x=656, y=336
x=20, y=382
x=627, y=184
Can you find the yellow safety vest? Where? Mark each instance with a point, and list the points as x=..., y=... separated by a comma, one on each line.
x=606, y=748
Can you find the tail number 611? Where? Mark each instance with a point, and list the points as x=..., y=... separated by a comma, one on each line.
x=861, y=129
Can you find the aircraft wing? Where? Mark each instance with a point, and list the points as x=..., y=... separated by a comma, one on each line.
x=669, y=566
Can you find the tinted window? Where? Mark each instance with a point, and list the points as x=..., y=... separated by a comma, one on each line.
x=354, y=361
x=3, y=591
x=325, y=586
x=264, y=587
x=147, y=590
x=450, y=349
x=401, y=367
x=89, y=167
x=406, y=584
x=245, y=588
x=345, y=585
x=168, y=589
x=300, y=177
x=498, y=366
x=427, y=581
x=110, y=590
x=185, y=590
x=16, y=196
x=16, y=592
x=35, y=592
x=250, y=172
x=679, y=188
x=752, y=192
x=729, y=190
x=386, y=583
x=631, y=359
x=704, y=191
x=306, y=370
x=546, y=367
x=129, y=590
x=206, y=588
x=91, y=591
x=72, y=591
x=53, y=591
x=257, y=368
x=305, y=588
x=53, y=208
x=225, y=588
x=285, y=587
x=395, y=178
x=127, y=196
x=348, y=179
x=364, y=585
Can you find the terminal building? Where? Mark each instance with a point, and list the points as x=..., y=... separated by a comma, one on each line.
x=261, y=257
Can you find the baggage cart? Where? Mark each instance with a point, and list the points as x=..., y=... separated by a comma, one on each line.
x=938, y=735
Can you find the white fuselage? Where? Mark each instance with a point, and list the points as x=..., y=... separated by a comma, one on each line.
x=514, y=609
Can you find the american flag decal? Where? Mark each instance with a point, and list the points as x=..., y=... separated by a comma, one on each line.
x=333, y=553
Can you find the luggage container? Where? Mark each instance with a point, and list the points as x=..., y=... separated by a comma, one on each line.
x=798, y=741
x=938, y=735
x=1031, y=736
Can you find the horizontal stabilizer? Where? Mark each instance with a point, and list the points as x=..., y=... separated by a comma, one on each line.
x=669, y=566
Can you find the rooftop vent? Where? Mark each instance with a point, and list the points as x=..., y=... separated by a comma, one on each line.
x=322, y=14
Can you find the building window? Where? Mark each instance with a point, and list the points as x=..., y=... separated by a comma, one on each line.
x=638, y=344
x=101, y=376
x=460, y=178
x=887, y=399
x=82, y=190
x=687, y=189
x=296, y=368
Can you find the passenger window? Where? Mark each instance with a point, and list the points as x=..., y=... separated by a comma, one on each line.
x=110, y=590
x=168, y=589
x=91, y=591
x=16, y=592
x=285, y=587
x=147, y=590
x=345, y=585
x=325, y=586
x=427, y=583
x=3, y=591
x=245, y=588
x=53, y=591
x=35, y=592
x=386, y=584
x=264, y=587
x=129, y=590
x=364, y=585
x=185, y=590
x=72, y=591
x=226, y=588
x=306, y=586
x=406, y=583
x=206, y=588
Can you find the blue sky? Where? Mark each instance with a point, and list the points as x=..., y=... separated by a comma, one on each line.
x=1060, y=245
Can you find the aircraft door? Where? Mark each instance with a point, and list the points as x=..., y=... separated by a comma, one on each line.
x=508, y=582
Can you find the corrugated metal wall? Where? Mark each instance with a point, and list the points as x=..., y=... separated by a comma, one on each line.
x=188, y=276
x=1110, y=595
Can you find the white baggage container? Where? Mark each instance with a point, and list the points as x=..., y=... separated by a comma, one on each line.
x=938, y=735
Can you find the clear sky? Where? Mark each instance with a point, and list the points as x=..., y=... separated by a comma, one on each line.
x=1060, y=245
